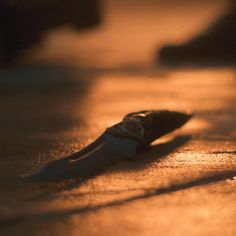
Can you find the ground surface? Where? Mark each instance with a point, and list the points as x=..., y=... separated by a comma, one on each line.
x=184, y=185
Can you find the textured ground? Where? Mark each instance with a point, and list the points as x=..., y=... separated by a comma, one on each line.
x=184, y=185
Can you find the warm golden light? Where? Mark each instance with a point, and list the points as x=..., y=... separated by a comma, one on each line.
x=184, y=184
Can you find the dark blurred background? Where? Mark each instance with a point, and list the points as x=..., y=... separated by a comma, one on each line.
x=23, y=22
x=107, y=32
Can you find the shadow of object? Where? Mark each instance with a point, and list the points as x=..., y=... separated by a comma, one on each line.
x=215, y=47
x=157, y=152
x=58, y=214
x=42, y=96
x=37, y=105
x=153, y=154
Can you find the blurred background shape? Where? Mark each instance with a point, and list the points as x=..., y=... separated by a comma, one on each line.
x=83, y=81
x=22, y=23
x=132, y=31
x=215, y=45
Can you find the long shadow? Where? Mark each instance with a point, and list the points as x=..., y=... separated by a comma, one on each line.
x=153, y=154
x=38, y=105
x=152, y=192
x=39, y=99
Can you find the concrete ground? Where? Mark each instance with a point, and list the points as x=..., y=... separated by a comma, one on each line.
x=184, y=185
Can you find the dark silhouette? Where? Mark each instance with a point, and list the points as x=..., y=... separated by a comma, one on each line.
x=22, y=22
x=217, y=45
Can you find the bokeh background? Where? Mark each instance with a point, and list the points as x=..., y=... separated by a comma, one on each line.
x=58, y=94
x=130, y=32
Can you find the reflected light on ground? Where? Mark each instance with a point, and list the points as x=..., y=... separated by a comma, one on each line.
x=204, y=92
x=83, y=209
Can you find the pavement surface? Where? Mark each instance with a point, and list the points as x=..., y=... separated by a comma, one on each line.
x=185, y=184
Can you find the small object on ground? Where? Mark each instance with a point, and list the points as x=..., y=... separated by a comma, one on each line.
x=122, y=141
